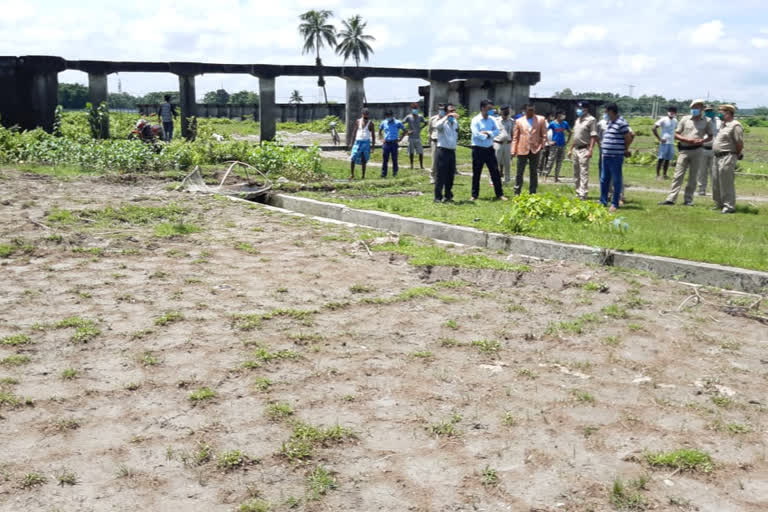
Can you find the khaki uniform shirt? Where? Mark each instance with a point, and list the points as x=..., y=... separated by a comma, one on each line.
x=584, y=129
x=691, y=128
x=505, y=127
x=728, y=137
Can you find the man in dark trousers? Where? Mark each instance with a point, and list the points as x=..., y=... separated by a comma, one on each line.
x=166, y=113
x=484, y=129
x=390, y=130
x=447, y=128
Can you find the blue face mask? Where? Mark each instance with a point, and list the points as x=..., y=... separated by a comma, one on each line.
x=491, y=111
x=415, y=111
x=695, y=111
x=579, y=112
x=441, y=113
x=605, y=116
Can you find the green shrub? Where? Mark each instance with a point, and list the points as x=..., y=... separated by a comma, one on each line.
x=524, y=210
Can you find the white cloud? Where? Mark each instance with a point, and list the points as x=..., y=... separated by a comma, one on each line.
x=636, y=64
x=584, y=34
x=759, y=42
x=707, y=34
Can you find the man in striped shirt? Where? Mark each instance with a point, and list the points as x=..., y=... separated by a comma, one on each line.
x=614, y=147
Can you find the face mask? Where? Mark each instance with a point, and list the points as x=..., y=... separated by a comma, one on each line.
x=695, y=111
x=441, y=113
x=710, y=114
x=720, y=115
x=389, y=119
x=415, y=111
x=671, y=115
x=605, y=116
x=491, y=112
x=579, y=112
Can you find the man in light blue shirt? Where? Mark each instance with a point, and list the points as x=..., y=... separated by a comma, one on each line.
x=390, y=130
x=484, y=129
x=447, y=128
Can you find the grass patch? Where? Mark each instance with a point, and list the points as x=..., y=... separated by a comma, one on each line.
x=16, y=339
x=14, y=360
x=85, y=334
x=628, y=496
x=683, y=460
x=66, y=477
x=305, y=438
x=279, y=411
x=69, y=374
x=32, y=480
x=202, y=395
x=583, y=396
x=232, y=459
x=489, y=477
x=263, y=355
x=361, y=288
x=615, y=311
x=319, y=482
x=169, y=317
x=11, y=400
x=247, y=247
x=262, y=384
x=423, y=354
x=249, y=321
x=255, y=505
x=433, y=255
x=576, y=326
x=446, y=428
x=487, y=346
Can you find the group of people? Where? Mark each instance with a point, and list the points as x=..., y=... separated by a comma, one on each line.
x=707, y=144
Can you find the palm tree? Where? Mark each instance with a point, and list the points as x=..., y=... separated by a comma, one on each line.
x=296, y=97
x=317, y=32
x=353, y=42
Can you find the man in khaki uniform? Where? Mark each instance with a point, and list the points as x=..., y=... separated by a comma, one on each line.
x=709, y=157
x=501, y=143
x=727, y=149
x=584, y=139
x=433, y=140
x=692, y=133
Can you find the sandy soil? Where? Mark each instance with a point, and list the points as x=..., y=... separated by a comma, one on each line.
x=430, y=417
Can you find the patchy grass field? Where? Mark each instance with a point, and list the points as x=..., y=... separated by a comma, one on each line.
x=160, y=351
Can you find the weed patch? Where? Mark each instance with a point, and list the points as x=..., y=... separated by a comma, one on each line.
x=16, y=339
x=684, y=460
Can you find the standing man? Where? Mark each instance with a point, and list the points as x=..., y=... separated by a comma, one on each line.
x=390, y=130
x=433, y=139
x=692, y=133
x=166, y=113
x=614, y=147
x=544, y=155
x=584, y=139
x=415, y=122
x=709, y=158
x=484, y=129
x=528, y=138
x=365, y=140
x=501, y=143
x=559, y=128
x=728, y=147
x=668, y=125
x=447, y=128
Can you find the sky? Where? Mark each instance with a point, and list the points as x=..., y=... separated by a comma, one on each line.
x=676, y=48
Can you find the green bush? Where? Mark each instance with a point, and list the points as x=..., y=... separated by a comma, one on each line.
x=524, y=210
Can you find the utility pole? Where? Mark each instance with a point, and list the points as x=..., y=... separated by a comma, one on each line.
x=631, y=88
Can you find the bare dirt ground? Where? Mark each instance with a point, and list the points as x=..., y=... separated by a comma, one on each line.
x=349, y=381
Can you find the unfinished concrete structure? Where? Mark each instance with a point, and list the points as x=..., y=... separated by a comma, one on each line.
x=29, y=86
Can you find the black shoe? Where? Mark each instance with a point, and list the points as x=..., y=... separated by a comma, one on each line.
x=688, y=203
x=437, y=201
x=666, y=203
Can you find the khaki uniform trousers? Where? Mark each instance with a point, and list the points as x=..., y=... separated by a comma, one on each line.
x=504, y=159
x=555, y=159
x=581, y=161
x=693, y=161
x=723, y=189
x=709, y=168
x=433, y=171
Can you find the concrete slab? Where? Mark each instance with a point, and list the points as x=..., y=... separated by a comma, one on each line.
x=720, y=276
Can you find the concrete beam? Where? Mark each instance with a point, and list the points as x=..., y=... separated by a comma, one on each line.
x=354, y=104
x=267, y=121
x=188, y=104
x=438, y=93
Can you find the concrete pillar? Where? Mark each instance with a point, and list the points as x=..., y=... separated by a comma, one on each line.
x=9, y=101
x=438, y=93
x=354, y=103
x=520, y=95
x=97, y=94
x=268, y=125
x=43, y=100
x=187, y=104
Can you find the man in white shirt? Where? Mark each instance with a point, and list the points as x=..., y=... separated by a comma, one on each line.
x=668, y=125
x=447, y=128
x=433, y=140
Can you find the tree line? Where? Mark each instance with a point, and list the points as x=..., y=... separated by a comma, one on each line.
x=75, y=96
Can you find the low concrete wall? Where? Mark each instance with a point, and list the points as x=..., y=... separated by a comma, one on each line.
x=720, y=276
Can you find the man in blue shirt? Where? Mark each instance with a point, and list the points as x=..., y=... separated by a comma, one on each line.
x=390, y=130
x=447, y=128
x=613, y=149
x=484, y=129
x=557, y=151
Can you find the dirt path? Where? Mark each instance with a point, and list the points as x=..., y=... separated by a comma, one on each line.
x=455, y=389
